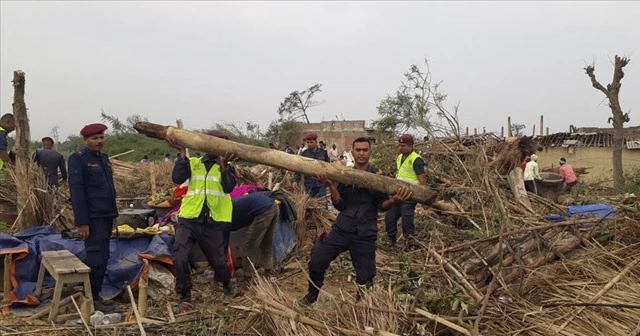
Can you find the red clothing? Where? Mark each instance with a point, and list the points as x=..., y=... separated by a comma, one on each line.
x=523, y=165
x=567, y=173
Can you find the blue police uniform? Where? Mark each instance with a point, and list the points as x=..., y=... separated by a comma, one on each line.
x=355, y=229
x=93, y=198
x=312, y=186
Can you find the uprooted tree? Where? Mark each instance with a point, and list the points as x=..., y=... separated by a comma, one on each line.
x=413, y=103
x=612, y=93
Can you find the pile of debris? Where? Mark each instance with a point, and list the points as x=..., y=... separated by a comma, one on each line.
x=486, y=265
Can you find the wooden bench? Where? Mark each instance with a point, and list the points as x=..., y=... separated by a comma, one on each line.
x=65, y=268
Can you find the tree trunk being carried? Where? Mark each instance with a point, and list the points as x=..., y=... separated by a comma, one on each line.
x=280, y=159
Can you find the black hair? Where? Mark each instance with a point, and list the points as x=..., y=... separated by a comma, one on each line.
x=7, y=117
x=361, y=139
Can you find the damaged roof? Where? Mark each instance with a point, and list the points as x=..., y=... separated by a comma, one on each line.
x=591, y=139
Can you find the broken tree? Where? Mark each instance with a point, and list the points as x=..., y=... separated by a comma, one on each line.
x=280, y=159
x=23, y=138
x=612, y=92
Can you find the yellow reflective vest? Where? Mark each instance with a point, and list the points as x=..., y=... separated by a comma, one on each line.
x=206, y=186
x=405, y=169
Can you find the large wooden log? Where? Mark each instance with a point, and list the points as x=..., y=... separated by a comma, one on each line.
x=280, y=159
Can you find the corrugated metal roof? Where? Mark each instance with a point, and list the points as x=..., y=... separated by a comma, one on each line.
x=633, y=144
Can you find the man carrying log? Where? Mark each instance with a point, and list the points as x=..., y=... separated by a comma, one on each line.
x=205, y=211
x=312, y=186
x=93, y=199
x=411, y=169
x=355, y=229
x=7, y=125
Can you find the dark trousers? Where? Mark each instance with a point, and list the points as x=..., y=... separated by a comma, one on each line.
x=407, y=211
x=530, y=186
x=97, y=249
x=258, y=243
x=361, y=249
x=209, y=238
x=316, y=191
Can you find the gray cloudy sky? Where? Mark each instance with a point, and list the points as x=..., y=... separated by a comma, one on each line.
x=209, y=62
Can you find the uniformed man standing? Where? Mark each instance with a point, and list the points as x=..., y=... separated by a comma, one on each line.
x=410, y=168
x=204, y=212
x=312, y=186
x=51, y=161
x=7, y=125
x=354, y=229
x=93, y=198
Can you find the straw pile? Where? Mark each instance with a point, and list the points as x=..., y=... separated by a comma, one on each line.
x=484, y=263
x=380, y=313
x=41, y=205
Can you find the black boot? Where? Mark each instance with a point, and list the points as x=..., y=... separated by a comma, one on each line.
x=311, y=297
x=229, y=292
x=361, y=289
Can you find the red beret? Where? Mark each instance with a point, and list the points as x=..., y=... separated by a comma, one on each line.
x=93, y=129
x=217, y=134
x=311, y=136
x=406, y=138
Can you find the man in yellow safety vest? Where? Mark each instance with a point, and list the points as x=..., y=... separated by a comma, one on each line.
x=205, y=211
x=7, y=125
x=411, y=169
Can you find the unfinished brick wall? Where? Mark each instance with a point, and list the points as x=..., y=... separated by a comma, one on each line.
x=341, y=133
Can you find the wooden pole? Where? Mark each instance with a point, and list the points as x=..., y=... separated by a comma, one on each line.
x=475, y=131
x=152, y=178
x=21, y=148
x=534, y=130
x=142, y=296
x=467, y=130
x=502, y=132
x=270, y=184
x=541, y=124
x=282, y=160
x=509, y=132
x=136, y=312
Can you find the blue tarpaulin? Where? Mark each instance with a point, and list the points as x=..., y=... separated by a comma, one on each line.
x=126, y=263
x=584, y=211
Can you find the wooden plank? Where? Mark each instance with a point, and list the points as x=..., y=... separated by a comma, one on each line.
x=63, y=262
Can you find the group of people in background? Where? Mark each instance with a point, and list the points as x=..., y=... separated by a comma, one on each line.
x=531, y=172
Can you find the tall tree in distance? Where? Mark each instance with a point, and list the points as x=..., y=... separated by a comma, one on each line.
x=612, y=93
x=295, y=106
x=517, y=129
x=413, y=105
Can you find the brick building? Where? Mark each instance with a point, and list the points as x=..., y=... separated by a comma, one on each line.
x=341, y=133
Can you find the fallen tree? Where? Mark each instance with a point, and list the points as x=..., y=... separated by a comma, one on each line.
x=280, y=159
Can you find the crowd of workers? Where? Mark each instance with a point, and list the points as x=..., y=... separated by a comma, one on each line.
x=208, y=214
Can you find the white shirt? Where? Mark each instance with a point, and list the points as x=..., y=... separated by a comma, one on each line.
x=531, y=171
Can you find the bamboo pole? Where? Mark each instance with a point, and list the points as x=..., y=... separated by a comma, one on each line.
x=442, y=321
x=280, y=159
x=136, y=312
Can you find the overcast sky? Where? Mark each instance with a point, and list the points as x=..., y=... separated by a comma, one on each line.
x=209, y=62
